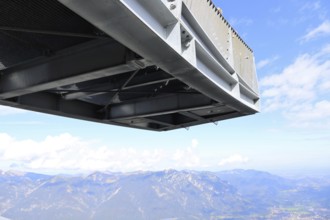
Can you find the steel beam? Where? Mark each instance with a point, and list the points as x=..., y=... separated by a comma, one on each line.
x=172, y=119
x=54, y=104
x=158, y=106
x=158, y=37
x=160, y=122
x=93, y=61
x=115, y=96
x=103, y=88
x=50, y=32
x=192, y=115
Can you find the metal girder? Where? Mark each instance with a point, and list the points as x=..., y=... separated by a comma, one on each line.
x=115, y=96
x=106, y=80
x=54, y=104
x=157, y=121
x=136, y=82
x=172, y=119
x=158, y=106
x=50, y=32
x=192, y=115
x=158, y=31
x=95, y=60
x=159, y=118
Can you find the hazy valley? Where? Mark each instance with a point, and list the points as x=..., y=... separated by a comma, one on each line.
x=170, y=194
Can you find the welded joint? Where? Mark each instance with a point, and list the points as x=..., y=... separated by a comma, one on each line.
x=135, y=62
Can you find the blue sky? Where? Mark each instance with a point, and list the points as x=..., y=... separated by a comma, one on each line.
x=291, y=44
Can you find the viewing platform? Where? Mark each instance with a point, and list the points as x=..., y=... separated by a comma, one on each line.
x=148, y=64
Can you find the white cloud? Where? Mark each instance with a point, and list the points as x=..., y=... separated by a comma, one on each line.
x=194, y=143
x=4, y=110
x=311, y=11
x=261, y=64
x=300, y=90
x=322, y=30
x=187, y=158
x=234, y=159
x=67, y=153
x=325, y=86
x=311, y=6
x=312, y=115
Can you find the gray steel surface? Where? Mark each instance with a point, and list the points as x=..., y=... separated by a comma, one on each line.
x=155, y=65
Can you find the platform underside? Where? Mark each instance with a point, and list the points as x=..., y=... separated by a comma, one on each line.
x=53, y=60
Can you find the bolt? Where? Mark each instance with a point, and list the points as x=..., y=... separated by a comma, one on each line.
x=187, y=44
x=173, y=6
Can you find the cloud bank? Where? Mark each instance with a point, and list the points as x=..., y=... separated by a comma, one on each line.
x=320, y=31
x=263, y=63
x=233, y=160
x=301, y=90
x=69, y=154
x=66, y=152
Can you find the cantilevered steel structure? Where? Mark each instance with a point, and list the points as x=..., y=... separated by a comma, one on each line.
x=149, y=64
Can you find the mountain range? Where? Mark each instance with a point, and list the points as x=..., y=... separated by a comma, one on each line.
x=169, y=194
